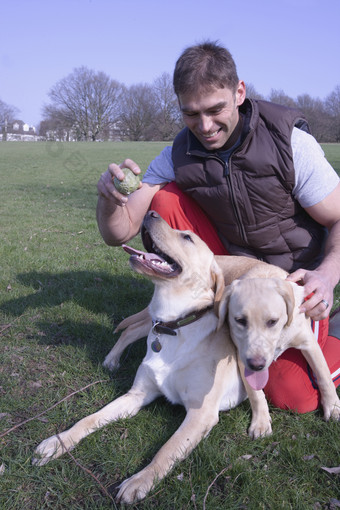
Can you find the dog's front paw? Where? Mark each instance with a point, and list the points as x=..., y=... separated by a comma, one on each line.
x=111, y=362
x=260, y=427
x=48, y=449
x=135, y=488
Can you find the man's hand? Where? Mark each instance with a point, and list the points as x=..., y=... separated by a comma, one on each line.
x=322, y=281
x=318, y=288
x=105, y=184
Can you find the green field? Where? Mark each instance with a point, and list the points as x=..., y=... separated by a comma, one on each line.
x=62, y=291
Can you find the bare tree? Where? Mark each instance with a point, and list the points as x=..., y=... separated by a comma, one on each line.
x=58, y=124
x=86, y=100
x=168, y=118
x=138, y=111
x=279, y=97
x=150, y=112
x=318, y=119
x=332, y=105
x=252, y=93
x=7, y=115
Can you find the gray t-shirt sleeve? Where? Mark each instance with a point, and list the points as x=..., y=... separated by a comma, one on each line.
x=315, y=178
x=161, y=169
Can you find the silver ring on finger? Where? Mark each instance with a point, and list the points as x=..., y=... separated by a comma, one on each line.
x=325, y=303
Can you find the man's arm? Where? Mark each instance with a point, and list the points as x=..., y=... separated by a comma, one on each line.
x=324, y=278
x=119, y=217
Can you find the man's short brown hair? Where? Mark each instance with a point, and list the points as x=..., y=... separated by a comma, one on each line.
x=205, y=66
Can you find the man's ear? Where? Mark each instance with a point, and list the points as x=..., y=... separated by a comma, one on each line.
x=240, y=93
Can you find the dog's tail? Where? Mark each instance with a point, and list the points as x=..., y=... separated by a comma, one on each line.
x=140, y=321
x=136, y=326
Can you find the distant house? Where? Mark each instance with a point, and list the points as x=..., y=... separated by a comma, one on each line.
x=18, y=130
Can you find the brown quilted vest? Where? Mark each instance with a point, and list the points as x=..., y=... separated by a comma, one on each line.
x=249, y=199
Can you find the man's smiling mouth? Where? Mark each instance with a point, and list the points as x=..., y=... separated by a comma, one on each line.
x=211, y=135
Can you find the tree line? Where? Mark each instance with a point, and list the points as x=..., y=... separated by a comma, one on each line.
x=89, y=105
x=323, y=116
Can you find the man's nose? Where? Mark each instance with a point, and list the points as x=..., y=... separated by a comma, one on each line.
x=205, y=123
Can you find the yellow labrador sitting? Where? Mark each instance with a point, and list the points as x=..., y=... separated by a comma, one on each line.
x=264, y=319
x=187, y=359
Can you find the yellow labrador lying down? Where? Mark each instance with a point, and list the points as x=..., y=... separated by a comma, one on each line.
x=187, y=360
x=262, y=308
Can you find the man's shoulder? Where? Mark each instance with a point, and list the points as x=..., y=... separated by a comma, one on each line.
x=314, y=176
x=303, y=142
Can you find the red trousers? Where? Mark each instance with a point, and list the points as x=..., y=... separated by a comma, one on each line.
x=291, y=383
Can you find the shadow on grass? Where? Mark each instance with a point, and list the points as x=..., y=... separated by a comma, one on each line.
x=97, y=292
x=75, y=307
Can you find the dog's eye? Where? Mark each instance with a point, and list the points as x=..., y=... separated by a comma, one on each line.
x=242, y=321
x=272, y=323
x=187, y=237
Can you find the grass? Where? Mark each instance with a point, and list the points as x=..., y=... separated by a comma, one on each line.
x=62, y=291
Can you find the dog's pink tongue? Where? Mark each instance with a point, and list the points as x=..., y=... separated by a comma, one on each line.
x=132, y=251
x=257, y=380
x=145, y=255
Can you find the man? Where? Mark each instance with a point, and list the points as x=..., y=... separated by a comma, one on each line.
x=247, y=177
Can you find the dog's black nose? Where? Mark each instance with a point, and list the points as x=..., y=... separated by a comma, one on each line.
x=256, y=364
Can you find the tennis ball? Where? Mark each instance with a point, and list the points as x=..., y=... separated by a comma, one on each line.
x=129, y=184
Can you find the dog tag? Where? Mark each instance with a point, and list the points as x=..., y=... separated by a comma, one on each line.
x=156, y=345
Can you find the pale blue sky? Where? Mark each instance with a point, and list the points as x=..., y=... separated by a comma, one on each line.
x=293, y=45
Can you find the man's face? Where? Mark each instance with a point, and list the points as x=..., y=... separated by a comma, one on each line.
x=212, y=116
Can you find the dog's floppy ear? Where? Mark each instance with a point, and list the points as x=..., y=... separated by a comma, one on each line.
x=217, y=282
x=222, y=309
x=287, y=292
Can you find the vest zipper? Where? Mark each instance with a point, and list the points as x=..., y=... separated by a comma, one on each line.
x=232, y=194
x=236, y=211
x=233, y=200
